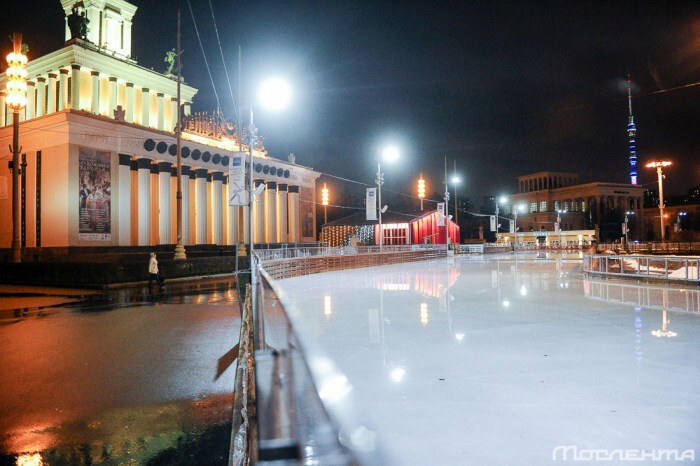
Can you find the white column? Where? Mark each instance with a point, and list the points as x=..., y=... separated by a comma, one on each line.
x=201, y=203
x=145, y=107
x=282, y=213
x=113, y=97
x=40, y=96
x=95, y=99
x=144, y=193
x=129, y=116
x=75, y=86
x=62, y=89
x=31, y=101
x=270, y=208
x=173, y=113
x=185, y=187
x=161, y=112
x=124, y=199
x=216, y=208
x=294, y=212
x=164, y=218
x=51, y=94
x=258, y=216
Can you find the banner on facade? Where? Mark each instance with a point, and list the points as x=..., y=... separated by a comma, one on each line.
x=441, y=214
x=493, y=223
x=371, y=204
x=236, y=179
x=95, y=192
x=512, y=226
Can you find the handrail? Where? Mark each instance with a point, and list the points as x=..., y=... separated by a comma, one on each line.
x=303, y=404
x=307, y=409
x=667, y=268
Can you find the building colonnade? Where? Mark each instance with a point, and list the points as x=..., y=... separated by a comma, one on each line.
x=147, y=216
x=97, y=93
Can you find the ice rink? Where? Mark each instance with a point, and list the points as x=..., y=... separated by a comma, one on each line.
x=513, y=360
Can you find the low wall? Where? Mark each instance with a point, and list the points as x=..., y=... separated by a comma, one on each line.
x=101, y=272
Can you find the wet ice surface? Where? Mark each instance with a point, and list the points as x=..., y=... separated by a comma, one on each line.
x=501, y=361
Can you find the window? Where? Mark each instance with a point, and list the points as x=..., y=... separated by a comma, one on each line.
x=543, y=206
x=533, y=207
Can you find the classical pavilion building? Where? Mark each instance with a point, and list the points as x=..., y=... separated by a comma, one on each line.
x=547, y=198
x=98, y=153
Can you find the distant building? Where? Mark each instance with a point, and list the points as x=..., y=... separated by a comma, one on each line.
x=98, y=139
x=547, y=196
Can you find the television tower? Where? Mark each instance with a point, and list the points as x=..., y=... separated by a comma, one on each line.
x=631, y=134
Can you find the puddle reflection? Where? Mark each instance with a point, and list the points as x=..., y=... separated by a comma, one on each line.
x=178, y=433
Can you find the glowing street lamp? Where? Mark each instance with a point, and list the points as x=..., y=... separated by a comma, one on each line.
x=324, y=202
x=499, y=200
x=626, y=225
x=16, y=88
x=389, y=154
x=517, y=208
x=659, y=170
x=274, y=94
x=421, y=190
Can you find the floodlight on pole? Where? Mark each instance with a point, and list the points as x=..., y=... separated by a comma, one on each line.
x=16, y=88
x=389, y=154
x=659, y=170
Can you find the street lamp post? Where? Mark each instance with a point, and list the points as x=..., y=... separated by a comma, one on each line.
x=455, y=180
x=659, y=170
x=627, y=227
x=559, y=212
x=16, y=99
x=421, y=190
x=502, y=199
x=179, y=247
x=324, y=202
x=515, y=220
x=390, y=154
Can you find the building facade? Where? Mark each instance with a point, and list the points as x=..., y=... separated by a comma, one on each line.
x=98, y=154
x=547, y=198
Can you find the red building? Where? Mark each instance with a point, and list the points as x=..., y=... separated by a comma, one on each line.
x=422, y=227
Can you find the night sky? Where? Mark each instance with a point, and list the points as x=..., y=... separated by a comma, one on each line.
x=504, y=88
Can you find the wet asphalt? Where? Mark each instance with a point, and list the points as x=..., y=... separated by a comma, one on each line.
x=125, y=376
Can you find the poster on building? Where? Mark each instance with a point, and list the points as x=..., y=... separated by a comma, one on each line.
x=371, y=204
x=95, y=191
x=236, y=179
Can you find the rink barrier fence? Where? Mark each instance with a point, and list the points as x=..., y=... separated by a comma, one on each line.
x=666, y=268
x=304, y=409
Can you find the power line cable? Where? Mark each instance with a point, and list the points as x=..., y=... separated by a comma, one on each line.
x=206, y=63
x=223, y=61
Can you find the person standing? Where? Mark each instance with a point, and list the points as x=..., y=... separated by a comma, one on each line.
x=153, y=272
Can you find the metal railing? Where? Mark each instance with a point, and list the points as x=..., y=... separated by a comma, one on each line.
x=666, y=268
x=299, y=407
x=314, y=251
x=650, y=247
